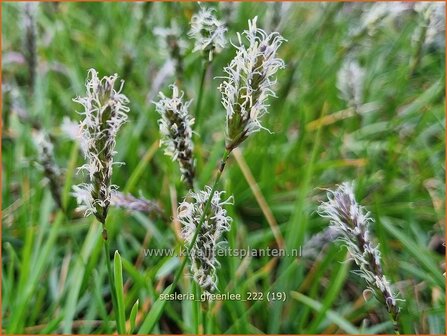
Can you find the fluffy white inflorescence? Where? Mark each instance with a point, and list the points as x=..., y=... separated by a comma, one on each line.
x=176, y=131
x=167, y=36
x=208, y=32
x=433, y=14
x=350, y=82
x=169, y=39
x=351, y=221
x=249, y=82
x=105, y=111
x=374, y=16
x=216, y=222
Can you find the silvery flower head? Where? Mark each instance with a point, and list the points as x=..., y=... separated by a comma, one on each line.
x=249, y=82
x=208, y=32
x=105, y=111
x=351, y=221
x=176, y=131
x=433, y=15
x=216, y=222
x=374, y=16
x=169, y=38
x=132, y=203
x=350, y=82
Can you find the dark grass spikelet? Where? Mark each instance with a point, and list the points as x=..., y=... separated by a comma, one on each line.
x=351, y=221
x=216, y=222
x=176, y=132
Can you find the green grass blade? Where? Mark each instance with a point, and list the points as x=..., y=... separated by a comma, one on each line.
x=416, y=251
x=133, y=317
x=118, y=278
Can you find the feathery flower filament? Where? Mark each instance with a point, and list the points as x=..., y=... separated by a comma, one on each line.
x=70, y=129
x=352, y=221
x=249, y=83
x=208, y=32
x=176, y=131
x=216, y=222
x=105, y=111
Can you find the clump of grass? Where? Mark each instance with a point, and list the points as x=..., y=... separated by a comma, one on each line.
x=53, y=269
x=350, y=80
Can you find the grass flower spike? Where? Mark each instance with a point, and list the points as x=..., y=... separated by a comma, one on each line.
x=350, y=82
x=433, y=17
x=169, y=39
x=374, y=16
x=249, y=82
x=208, y=33
x=105, y=111
x=216, y=222
x=352, y=221
x=176, y=132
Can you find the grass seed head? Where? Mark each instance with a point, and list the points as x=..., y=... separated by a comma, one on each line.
x=169, y=39
x=208, y=33
x=176, y=131
x=352, y=222
x=350, y=80
x=216, y=222
x=105, y=111
x=249, y=82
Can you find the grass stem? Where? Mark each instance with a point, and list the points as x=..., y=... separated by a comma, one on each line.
x=205, y=65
